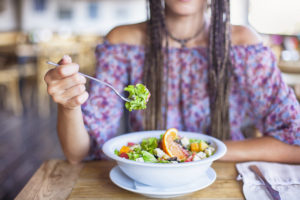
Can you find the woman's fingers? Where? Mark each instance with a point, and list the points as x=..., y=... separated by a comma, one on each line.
x=66, y=83
x=61, y=72
x=65, y=89
x=77, y=101
x=67, y=69
x=57, y=83
x=73, y=92
x=71, y=97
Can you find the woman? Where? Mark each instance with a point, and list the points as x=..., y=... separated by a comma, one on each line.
x=203, y=75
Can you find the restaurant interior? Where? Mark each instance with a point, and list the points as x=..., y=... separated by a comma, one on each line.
x=33, y=32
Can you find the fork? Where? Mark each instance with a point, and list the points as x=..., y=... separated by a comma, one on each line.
x=97, y=80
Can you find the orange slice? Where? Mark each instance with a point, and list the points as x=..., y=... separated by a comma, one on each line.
x=170, y=147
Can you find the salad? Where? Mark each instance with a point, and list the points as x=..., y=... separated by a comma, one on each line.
x=139, y=96
x=169, y=148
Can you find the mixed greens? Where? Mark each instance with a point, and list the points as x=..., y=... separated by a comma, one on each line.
x=139, y=96
x=151, y=150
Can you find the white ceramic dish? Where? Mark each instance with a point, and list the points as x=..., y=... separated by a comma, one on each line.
x=123, y=181
x=162, y=174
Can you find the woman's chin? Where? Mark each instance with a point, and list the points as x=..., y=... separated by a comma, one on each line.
x=184, y=7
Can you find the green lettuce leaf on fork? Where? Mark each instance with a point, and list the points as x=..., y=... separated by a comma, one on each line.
x=139, y=96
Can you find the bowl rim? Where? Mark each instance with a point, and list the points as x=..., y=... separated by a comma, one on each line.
x=112, y=155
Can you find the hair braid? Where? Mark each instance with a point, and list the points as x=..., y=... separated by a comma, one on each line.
x=154, y=70
x=219, y=70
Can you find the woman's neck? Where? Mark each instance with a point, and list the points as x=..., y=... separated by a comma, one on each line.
x=183, y=27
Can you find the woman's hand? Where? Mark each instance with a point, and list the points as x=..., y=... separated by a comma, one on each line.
x=66, y=85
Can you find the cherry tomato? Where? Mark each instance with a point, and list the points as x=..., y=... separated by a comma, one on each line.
x=124, y=155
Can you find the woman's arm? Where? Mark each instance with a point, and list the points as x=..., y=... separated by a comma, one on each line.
x=72, y=134
x=67, y=89
x=272, y=106
x=261, y=149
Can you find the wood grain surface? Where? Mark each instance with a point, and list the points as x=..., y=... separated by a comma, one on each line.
x=53, y=180
x=94, y=183
x=58, y=180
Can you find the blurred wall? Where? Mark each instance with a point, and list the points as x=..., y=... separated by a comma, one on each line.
x=7, y=16
x=76, y=16
x=275, y=16
x=106, y=14
x=239, y=12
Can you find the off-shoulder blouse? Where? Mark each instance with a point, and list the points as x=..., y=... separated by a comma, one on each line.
x=258, y=95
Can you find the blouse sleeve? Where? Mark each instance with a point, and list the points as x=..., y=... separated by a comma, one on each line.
x=103, y=110
x=274, y=105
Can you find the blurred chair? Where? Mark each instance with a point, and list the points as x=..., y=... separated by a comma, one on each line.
x=19, y=56
x=9, y=38
x=9, y=74
x=28, y=81
x=9, y=78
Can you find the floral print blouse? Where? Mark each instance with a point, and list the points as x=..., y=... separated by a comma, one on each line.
x=258, y=94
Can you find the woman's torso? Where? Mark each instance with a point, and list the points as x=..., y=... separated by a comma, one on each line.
x=187, y=93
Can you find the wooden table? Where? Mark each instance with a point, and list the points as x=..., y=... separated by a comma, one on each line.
x=56, y=179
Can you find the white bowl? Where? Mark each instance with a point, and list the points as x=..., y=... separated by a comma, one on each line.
x=162, y=174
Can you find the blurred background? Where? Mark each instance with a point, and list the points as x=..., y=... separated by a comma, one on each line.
x=34, y=31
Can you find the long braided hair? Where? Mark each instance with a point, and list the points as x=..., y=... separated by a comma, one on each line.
x=219, y=67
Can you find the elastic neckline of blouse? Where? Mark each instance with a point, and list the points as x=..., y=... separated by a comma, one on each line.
x=246, y=46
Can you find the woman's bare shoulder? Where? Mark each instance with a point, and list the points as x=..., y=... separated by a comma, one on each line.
x=130, y=34
x=135, y=34
x=244, y=35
